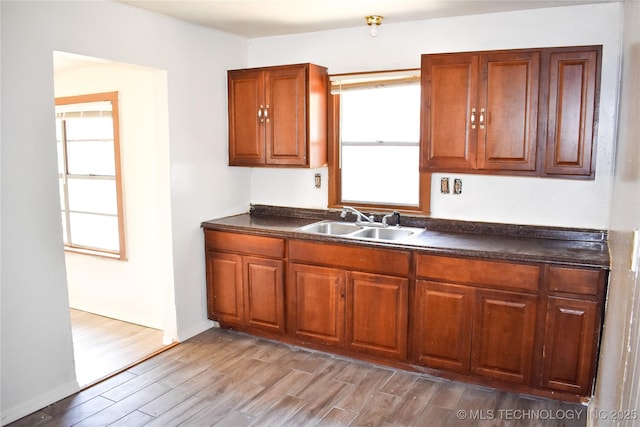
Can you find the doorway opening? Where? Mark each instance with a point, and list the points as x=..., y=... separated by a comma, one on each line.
x=122, y=309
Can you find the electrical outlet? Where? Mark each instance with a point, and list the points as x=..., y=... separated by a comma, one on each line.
x=457, y=186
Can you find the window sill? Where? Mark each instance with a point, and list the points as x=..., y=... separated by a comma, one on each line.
x=101, y=254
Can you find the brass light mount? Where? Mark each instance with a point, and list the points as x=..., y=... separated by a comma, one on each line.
x=373, y=21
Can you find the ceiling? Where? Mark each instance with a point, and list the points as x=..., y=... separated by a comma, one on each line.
x=262, y=18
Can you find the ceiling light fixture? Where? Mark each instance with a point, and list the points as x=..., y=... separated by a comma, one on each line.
x=373, y=21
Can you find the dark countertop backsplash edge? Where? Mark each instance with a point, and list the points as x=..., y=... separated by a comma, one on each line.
x=445, y=225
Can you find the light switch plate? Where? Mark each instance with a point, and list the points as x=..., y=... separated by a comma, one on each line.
x=444, y=185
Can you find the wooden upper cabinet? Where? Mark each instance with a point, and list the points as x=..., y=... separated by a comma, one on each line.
x=480, y=110
x=572, y=84
x=507, y=111
x=278, y=116
x=246, y=129
x=449, y=94
x=517, y=112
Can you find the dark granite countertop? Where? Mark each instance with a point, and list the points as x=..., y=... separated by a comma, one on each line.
x=575, y=247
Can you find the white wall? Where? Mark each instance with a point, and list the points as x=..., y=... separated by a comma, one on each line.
x=484, y=198
x=618, y=382
x=36, y=347
x=36, y=351
x=134, y=290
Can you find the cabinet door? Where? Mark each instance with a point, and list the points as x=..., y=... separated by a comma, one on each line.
x=443, y=319
x=286, y=115
x=224, y=288
x=508, y=111
x=377, y=309
x=246, y=118
x=264, y=293
x=569, y=345
x=570, y=113
x=449, y=93
x=316, y=304
x=503, y=335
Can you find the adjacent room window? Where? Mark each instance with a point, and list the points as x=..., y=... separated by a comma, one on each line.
x=89, y=174
x=375, y=152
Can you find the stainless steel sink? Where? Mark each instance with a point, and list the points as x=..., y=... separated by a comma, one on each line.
x=331, y=228
x=384, y=233
x=365, y=232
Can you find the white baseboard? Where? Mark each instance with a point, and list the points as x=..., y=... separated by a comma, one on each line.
x=10, y=415
x=185, y=334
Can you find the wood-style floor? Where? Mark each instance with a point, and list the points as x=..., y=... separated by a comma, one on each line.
x=223, y=378
x=103, y=345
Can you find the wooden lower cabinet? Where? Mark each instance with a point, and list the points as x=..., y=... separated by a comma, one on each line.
x=504, y=328
x=329, y=302
x=264, y=293
x=468, y=330
x=443, y=325
x=315, y=298
x=527, y=327
x=225, y=288
x=245, y=281
x=246, y=291
x=363, y=312
x=377, y=314
x=570, y=338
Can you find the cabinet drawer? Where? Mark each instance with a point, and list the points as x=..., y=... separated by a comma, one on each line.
x=494, y=274
x=351, y=257
x=244, y=243
x=575, y=281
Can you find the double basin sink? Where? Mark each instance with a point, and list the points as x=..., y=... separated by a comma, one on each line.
x=361, y=231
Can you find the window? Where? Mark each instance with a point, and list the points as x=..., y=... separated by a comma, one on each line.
x=375, y=147
x=89, y=174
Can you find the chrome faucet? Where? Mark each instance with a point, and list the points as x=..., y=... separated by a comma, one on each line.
x=360, y=216
x=370, y=220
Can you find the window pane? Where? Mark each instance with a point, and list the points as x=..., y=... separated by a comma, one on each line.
x=389, y=114
x=61, y=190
x=95, y=231
x=381, y=174
x=82, y=128
x=91, y=158
x=87, y=143
x=92, y=195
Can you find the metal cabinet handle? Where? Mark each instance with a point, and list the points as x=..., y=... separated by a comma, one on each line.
x=473, y=118
x=260, y=111
x=266, y=113
x=482, y=118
